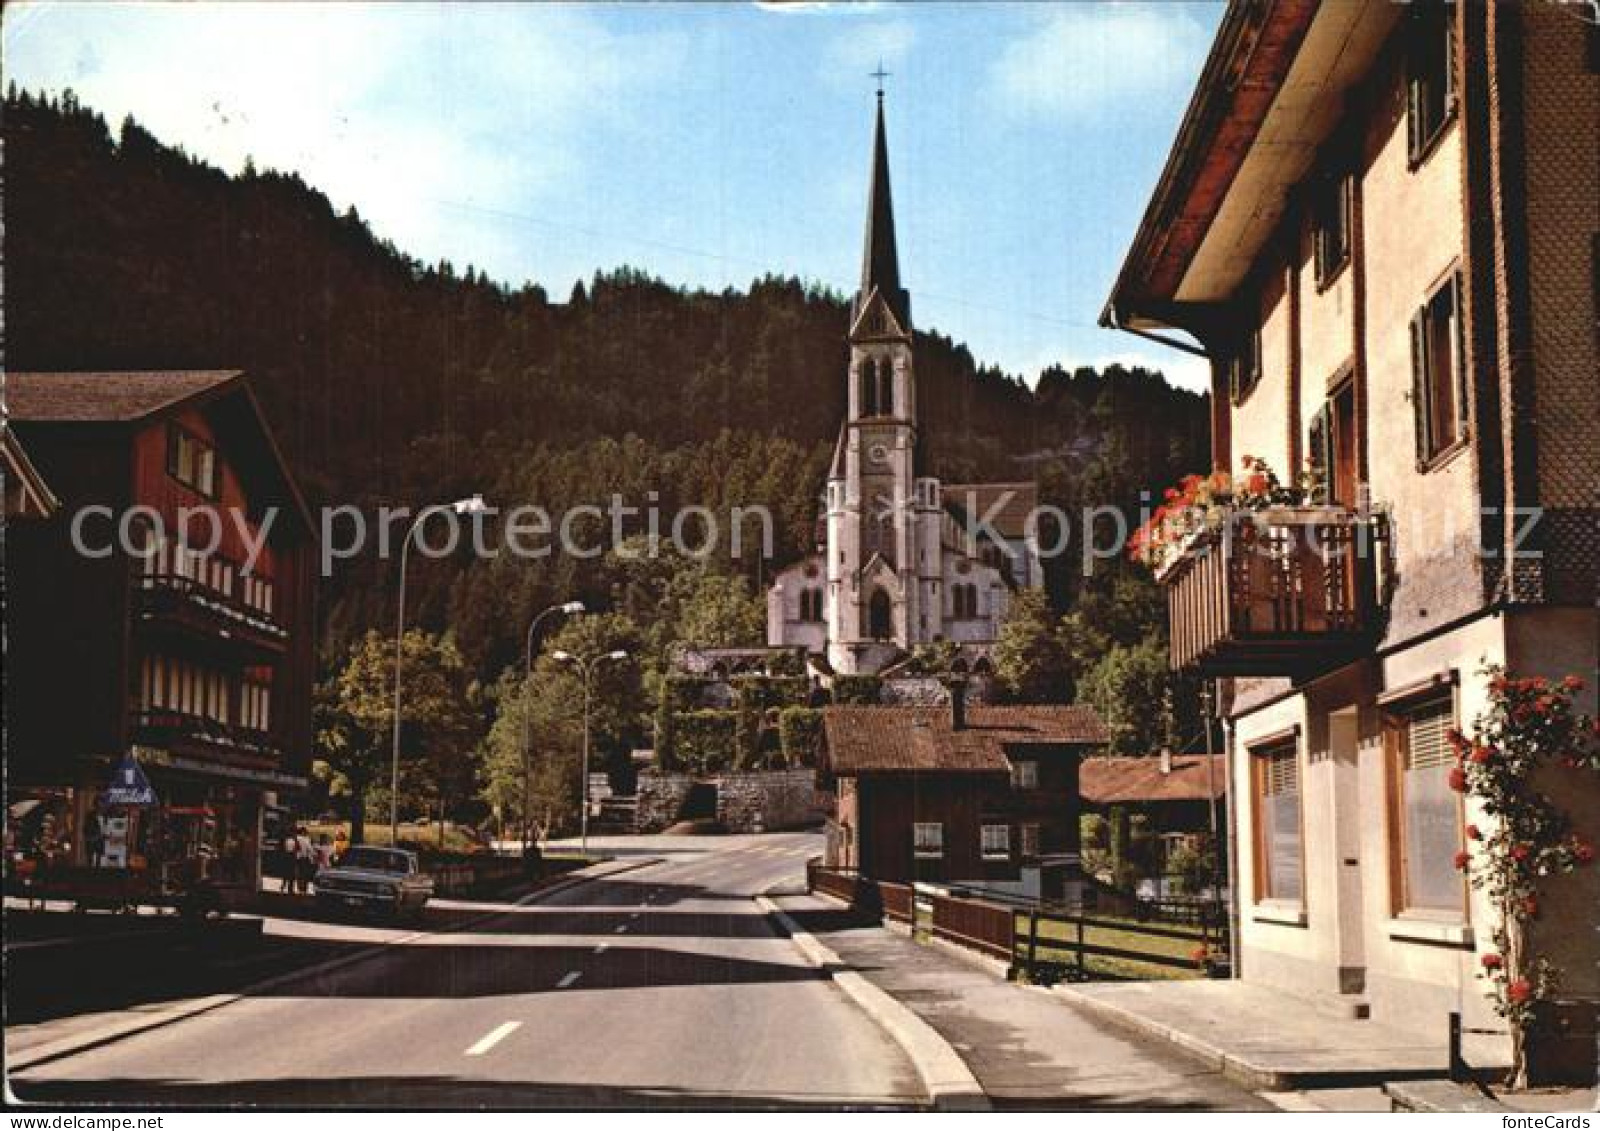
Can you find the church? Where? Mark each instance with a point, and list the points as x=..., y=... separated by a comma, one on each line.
x=905, y=560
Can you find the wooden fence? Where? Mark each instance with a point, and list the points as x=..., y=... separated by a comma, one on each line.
x=1041, y=944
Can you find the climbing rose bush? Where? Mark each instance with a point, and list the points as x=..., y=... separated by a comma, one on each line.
x=1529, y=726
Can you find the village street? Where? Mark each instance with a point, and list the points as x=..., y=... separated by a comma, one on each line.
x=663, y=984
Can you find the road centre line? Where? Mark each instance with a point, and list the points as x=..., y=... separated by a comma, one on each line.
x=494, y=1037
x=570, y=977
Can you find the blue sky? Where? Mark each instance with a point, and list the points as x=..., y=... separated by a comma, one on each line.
x=706, y=144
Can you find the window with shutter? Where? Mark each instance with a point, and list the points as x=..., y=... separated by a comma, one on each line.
x=1277, y=812
x=1438, y=388
x=1318, y=449
x=996, y=842
x=1430, y=89
x=927, y=838
x=1425, y=813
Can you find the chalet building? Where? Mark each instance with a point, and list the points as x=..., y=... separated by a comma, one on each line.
x=957, y=794
x=1175, y=791
x=1379, y=222
x=160, y=640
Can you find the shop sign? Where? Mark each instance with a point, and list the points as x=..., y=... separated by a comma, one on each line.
x=128, y=785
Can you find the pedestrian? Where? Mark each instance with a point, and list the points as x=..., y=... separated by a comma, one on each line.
x=288, y=855
x=341, y=845
x=324, y=854
x=305, y=860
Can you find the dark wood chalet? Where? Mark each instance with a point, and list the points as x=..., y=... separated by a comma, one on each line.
x=142, y=625
x=981, y=795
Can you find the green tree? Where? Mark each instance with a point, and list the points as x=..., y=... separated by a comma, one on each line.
x=720, y=611
x=1031, y=662
x=440, y=723
x=1130, y=688
x=531, y=754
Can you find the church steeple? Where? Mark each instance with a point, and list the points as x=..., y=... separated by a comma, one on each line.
x=880, y=262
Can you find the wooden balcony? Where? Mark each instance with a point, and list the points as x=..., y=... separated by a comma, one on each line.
x=204, y=738
x=1287, y=591
x=189, y=606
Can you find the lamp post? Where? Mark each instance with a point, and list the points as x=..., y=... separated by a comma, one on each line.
x=471, y=505
x=586, y=671
x=570, y=608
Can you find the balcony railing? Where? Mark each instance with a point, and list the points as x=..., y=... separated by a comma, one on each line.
x=1286, y=591
x=158, y=726
x=174, y=599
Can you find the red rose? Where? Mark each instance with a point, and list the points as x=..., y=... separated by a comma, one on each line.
x=1584, y=851
x=1461, y=861
x=1519, y=852
x=1530, y=907
x=1458, y=779
x=1520, y=990
x=1492, y=961
x=1480, y=755
x=1572, y=683
x=1456, y=739
x=1474, y=833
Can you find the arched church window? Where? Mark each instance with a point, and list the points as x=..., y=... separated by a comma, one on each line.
x=880, y=616
x=810, y=604
x=869, y=387
x=886, y=388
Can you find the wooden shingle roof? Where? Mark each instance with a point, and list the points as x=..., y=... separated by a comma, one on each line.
x=1107, y=781
x=108, y=397
x=920, y=739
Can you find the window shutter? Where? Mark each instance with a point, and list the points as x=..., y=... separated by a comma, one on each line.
x=1419, y=384
x=1319, y=448
x=1413, y=113
x=1426, y=729
x=1463, y=385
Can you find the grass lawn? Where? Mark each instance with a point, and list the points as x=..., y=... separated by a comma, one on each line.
x=1107, y=931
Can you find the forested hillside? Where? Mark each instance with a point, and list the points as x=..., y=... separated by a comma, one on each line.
x=390, y=380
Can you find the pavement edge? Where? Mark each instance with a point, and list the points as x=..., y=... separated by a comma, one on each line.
x=950, y=1084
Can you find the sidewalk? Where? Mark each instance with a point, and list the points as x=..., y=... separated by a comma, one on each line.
x=1271, y=1040
x=1024, y=1048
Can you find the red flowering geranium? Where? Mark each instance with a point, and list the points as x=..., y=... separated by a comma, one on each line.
x=1492, y=961
x=1202, y=504
x=1462, y=859
x=1519, y=991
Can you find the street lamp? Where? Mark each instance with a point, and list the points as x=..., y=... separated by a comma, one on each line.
x=570, y=608
x=471, y=505
x=586, y=670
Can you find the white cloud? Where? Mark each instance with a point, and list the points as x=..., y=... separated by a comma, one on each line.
x=1083, y=58
x=419, y=114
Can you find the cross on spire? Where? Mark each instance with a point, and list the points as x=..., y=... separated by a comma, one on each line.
x=880, y=74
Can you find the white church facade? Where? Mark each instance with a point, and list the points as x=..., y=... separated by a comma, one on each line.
x=903, y=562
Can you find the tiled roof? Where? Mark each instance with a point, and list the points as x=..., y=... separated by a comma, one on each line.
x=919, y=739
x=105, y=397
x=1105, y=781
x=976, y=499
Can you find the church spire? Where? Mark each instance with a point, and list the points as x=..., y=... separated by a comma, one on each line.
x=880, y=263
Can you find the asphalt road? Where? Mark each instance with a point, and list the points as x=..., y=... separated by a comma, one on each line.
x=665, y=985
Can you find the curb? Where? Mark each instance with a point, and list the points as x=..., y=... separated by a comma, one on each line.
x=76, y=1043
x=950, y=1084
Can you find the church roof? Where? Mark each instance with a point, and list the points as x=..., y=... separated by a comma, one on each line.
x=1011, y=504
x=865, y=740
x=880, y=261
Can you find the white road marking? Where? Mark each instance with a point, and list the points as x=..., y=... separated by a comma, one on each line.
x=621, y=929
x=601, y=949
x=570, y=977
x=494, y=1037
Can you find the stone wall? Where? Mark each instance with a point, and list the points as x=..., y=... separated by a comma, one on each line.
x=929, y=691
x=753, y=802
x=766, y=802
x=661, y=797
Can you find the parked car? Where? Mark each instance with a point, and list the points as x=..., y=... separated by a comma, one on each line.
x=370, y=878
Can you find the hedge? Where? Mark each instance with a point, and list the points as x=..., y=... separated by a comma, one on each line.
x=800, y=735
x=857, y=690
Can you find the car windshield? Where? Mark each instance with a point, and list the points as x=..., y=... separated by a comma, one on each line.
x=374, y=860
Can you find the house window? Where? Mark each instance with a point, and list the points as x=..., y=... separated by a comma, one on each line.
x=927, y=839
x=191, y=461
x=1430, y=83
x=995, y=842
x=964, y=601
x=1277, y=809
x=1024, y=775
x=811, y=604
x=1438, y=373
x=1424, y=812
x=1244, y=367
x=1030, y=840
x=1331, y=226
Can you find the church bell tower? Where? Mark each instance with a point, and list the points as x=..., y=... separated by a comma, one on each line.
x=882, y=566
